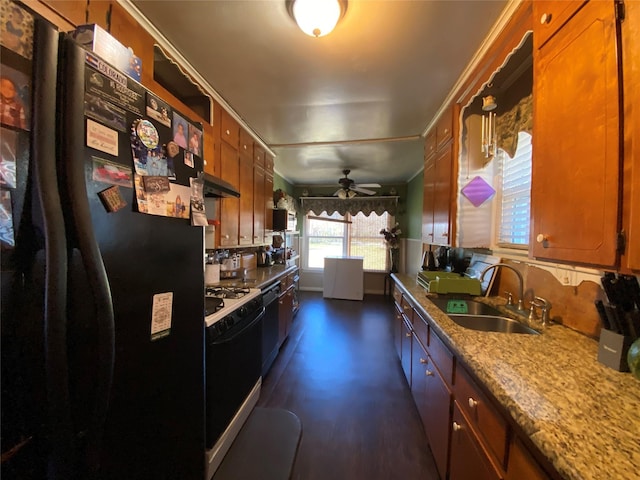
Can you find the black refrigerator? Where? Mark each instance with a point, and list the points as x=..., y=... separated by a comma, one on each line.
x=102, y=311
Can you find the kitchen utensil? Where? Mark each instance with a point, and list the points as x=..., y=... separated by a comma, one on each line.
x=631, y=288
x=604, y=319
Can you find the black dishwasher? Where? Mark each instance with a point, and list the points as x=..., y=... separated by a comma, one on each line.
x=270, y=326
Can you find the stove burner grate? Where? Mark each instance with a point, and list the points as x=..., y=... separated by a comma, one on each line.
x=226, y=292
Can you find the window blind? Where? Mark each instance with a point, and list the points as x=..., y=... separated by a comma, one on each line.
x=516, y=194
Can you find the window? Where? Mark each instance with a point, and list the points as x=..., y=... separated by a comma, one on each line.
x=354, y=235
x=515, y=205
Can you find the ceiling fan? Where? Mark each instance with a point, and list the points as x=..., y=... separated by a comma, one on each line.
x=348, y=187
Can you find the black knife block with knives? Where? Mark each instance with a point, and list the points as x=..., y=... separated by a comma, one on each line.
x=620, y=319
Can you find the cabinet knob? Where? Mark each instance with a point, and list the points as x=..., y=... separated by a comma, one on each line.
x=456, y=427
x=545, y=18
x=424, y=360
x=543, y=239
x=408, y=335
x=428, y=373
x=472, y=403
x=227, y=132
x=244, y=146
x=226, y=237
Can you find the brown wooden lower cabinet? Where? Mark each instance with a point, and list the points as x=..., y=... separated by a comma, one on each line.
x=433, y=400
x=285, y=314
x=469, y=436
x=468, y=460
x=406, y=338
x=522, y=465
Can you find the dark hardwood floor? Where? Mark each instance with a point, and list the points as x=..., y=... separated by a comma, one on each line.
x=339, y=373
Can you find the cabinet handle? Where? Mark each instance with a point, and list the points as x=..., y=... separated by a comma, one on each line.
x=423, y=360
x=472, y=403
x=445, y=234
x=545, y=18
x=429, y=234
x=456, y=427
x=428, y=373
x=408, y=335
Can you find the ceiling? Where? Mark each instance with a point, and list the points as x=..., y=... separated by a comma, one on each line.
x=359, y=98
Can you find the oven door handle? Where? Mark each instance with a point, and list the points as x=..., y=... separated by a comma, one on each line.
x=223, y=340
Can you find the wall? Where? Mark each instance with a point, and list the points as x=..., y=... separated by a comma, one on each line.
x=279, y=183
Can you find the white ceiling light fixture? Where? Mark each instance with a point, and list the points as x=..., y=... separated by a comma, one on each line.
x=317, y=18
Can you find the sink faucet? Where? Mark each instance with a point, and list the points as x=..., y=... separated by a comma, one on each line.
x=520, y=280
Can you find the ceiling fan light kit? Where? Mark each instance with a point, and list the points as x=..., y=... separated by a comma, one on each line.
x=348, y=187
x=316, y=18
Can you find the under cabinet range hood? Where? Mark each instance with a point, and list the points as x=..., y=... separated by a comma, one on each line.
x=216, y=187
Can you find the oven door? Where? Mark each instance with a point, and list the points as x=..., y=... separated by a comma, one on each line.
x=234, y=365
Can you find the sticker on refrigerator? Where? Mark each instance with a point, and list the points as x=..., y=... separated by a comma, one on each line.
x=158, y=110
x=8, y=145
x=6, y=220
x=16, y=98
x=171, y=203
x=161, y=315
x=16, y=29
x=112, y=199
x=105, y=112
x=107, y=83
x=111, y=172
x=102, y=138
x=198, y=213
x=195, y=140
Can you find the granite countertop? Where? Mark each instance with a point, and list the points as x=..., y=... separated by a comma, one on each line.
x=583, y=416
x=260, y=277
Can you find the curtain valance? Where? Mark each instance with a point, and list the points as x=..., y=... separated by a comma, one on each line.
x=354, y=205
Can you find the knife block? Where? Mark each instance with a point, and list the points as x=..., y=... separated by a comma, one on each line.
x=613, y=349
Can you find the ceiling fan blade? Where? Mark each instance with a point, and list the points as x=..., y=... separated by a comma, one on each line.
x=335, y=194
x=370, y=185
x=363, y=190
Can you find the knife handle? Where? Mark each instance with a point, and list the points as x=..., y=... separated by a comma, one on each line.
x=613, y=319
x=603, y=315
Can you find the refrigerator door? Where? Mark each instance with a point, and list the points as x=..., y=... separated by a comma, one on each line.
x=37, y=438
x=150, y=422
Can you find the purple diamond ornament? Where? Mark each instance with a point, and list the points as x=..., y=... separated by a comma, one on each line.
x=478, y=191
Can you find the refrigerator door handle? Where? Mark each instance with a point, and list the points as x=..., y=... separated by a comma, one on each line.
x=79, y=222
x=47, y=197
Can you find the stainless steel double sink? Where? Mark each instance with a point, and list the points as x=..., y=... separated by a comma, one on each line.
x=476, y=315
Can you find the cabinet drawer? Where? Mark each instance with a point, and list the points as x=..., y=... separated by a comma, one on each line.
x=444, y=128
x=407, y=308
x=442, y=357
x=549, y=16
x=420, y=328
x=246, y=144
x=229, y=129
x=486, y=419
x=397, y=295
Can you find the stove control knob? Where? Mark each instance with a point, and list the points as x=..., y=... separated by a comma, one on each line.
x=242, y=311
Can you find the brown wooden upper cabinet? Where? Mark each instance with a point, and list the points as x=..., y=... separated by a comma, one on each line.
x=550, y=15
x=576, y=156
x=229, y=129
x=438, y=176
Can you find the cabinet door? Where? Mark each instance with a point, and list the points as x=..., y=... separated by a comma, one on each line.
x=550, y=15
x=268, y=195
x=442, y=196
x=285, y=315
x=575, y=142
x=229, y=207
x=406, y=350
x=229, y=129
x=259, y=204
x=468, y=460
x=74, y=12
x=397, y=330
x=438, y=419
x=522, y=465
x=631, y=69
x=246, y=199
x=428, y=200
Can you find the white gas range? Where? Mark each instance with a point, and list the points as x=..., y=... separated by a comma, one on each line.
x=233, y=365
x=220, y=301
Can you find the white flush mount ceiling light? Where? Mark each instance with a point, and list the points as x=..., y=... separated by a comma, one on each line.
x=316, y=18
